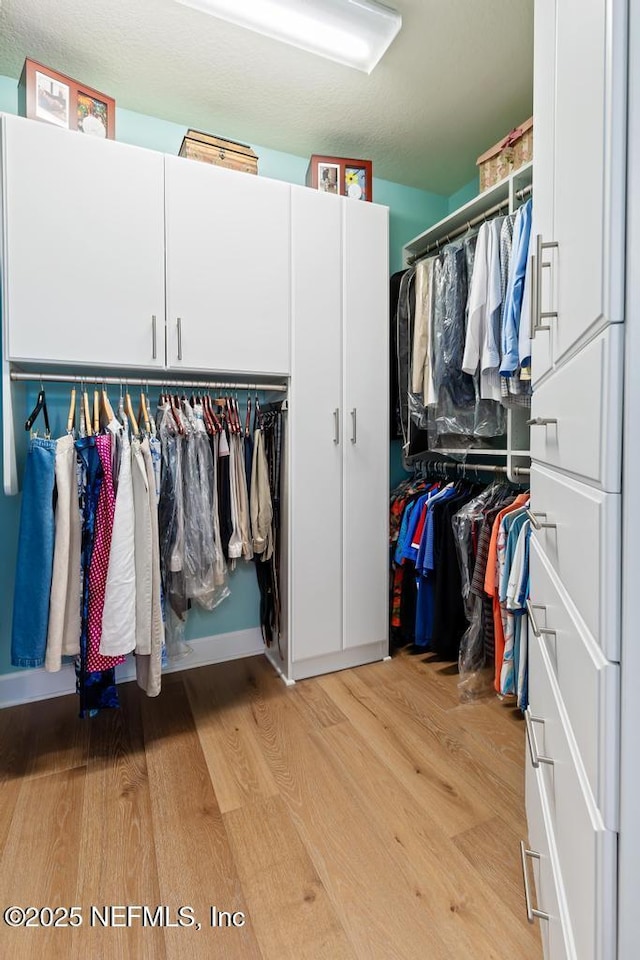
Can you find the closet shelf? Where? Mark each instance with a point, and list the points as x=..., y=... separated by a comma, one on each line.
x=502, y=194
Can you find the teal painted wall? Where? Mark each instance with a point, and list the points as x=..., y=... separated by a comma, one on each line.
x=463, y=195
x=411, y=211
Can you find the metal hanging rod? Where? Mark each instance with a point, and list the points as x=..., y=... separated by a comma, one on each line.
x=460, y=230
x=520, y=194
x=146, y=382
x=460, y=468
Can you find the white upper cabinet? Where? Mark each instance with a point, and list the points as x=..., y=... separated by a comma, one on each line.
x=366, y=418
x=544, y=95
x=228, y=239
x=579, y=171
x=83, y=261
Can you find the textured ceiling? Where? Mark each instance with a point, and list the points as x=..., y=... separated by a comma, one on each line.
x=456, y=79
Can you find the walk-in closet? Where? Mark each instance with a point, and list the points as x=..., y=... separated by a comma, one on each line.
x=317, y=513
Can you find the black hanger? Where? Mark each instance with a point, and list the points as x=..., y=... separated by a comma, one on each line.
x=41, y=404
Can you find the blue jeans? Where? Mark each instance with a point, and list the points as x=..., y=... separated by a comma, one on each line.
x=35, y=557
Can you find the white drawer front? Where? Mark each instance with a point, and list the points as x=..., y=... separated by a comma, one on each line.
x=579, y=409
x=588, y=683
x=586, y=850
x=555, y=933
x=583, y=546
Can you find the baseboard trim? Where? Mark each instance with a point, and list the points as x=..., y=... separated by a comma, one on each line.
x=343, y=660
x=26, y=686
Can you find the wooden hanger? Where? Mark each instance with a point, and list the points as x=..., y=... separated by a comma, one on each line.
x=105, y=407
x=128, y=408
x=96, y=411
x=247, y=422
x=86, y=411
x=143, y=412
x=71, y=419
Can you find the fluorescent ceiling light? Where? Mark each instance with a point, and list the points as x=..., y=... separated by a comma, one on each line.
x=353, y=32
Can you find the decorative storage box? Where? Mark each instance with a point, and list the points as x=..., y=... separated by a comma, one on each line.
x=506, y=156
x=223, y=153
x=347, y=178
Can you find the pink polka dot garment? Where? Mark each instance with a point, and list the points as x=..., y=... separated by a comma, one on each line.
x=100, y=559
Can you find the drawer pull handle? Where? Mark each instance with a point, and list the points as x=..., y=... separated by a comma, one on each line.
x=532, y=912
x=538, y=631
x=536, y=759
x=537, y=525
x=540, y=421
x=336, y=426
x=354, y=426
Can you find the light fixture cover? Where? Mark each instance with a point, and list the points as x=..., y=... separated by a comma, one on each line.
x=353, y=32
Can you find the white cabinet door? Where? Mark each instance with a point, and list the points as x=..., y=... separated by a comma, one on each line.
x=544, y=94
x=589, y=169
x=366, y=423
x=314, y=425
x=228, y=269
x=84, y=257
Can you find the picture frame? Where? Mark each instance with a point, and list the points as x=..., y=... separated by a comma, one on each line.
x=51, y=97
x=342, y=176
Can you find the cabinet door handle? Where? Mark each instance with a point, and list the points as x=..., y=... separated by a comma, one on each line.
x=536, y=759
x=550, y=314
x=179, y=329
x=540, y=421
x=537, y=631
x=532, y=912
x=537, y=525
x=154, y=337
x=533, y=305
x=336, y=425
x=354, y=426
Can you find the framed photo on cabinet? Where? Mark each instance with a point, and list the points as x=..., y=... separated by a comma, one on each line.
x=341, y=176
x=51, y=97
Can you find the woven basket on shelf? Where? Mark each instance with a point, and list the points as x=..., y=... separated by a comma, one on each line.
x=506, y=156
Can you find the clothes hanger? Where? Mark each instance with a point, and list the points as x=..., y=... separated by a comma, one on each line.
x=71, y=418
x=143, y=413
x=106, y=410
x=96, y=409
x=247, y=422
x=128, y=407
x=41, y=405
x=86, y=411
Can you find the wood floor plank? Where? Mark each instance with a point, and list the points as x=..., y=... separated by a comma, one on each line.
x=39, y=865
x=492, y=849
x=51, y=736
x=423, y=767
x=319, y=708
x=367, y=886
x=496, y=776
x=237, y=768
x=117, y=855
x=466, y=914
x=195, y=863
x=291, y=912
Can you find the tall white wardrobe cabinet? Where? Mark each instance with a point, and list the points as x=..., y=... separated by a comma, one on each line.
x=119, y=258
x=575, y=656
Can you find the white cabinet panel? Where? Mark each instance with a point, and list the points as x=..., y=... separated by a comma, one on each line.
x=580, y=165
x=581, y=409
x=366, y=423
x=314, y=423
x=84, y=258
x=586, y=850
x=544, y=94
x=555, y=933
x=587, y=681
x=228, y=269
x=585, y=524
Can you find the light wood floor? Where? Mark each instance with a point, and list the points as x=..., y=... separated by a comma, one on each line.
x=366, y=815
